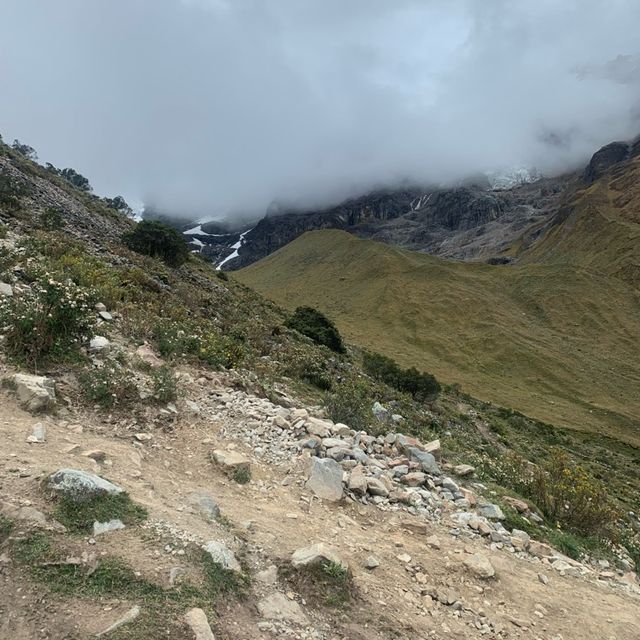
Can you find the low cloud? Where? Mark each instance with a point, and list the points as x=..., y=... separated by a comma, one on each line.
x=219, y=107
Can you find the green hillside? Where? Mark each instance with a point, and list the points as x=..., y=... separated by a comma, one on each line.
x=555, y=337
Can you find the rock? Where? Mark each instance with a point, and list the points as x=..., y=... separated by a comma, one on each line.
x=519, y=505
x=32, y=516
x=464, y=470
x=35, y=393
x=325, y=479
x=282, y=422
x=377, y=488
x=318, y=553
x=318, y=427
x=192, y=407
x=414, y=479
x=447, y=596
x=39, y=434
x=433, y=448
x=541, y=550
x=99, y=343
x=379, y=412
x=206, y=504
x=230, y=461
x=6, y=290
x=480, y=566
x=268, y=576
x=358, y=481
x=433, y=542
x=222, y=555
x=106, y=527
x=96, y=454
x=520, y=539
x=147, y=355
x=543, y=578
x=490, y=511
x=278, y=607
x=105, y=315
x=415, y=526
x=196, y=620
x=143, y=437
x=426, y=460
x=404, y=557
x=128, y=617
x=80, y=485
x=560, y=565
x=371, y=563
x=100, y=306
x=450, y=485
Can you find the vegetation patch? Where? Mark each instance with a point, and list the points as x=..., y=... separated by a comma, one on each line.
x=165, y=385
x=158, y=240
x=350, y=403
x=422, y=386
x=109, y=385
x=47, y=323
x=6, y=527
x=315, y=325
x=80, y=516
x=327, y=584
x=242, y=475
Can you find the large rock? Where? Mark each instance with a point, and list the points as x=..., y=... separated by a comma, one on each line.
x=6, y=290
x=480, y=566
x=318, y=427
x=80, y=485
x=325, y=479
x=206, y=504
x=99, y=343
x=318, y=553
x=35, y=393
x=427, y=460
x=358, y=481
x=230, y=461
x=490, y=511
x=222, y=555
x=197, y=621
x=278, y=607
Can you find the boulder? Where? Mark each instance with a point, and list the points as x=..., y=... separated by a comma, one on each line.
x=35, y=393
x=318, y=553
x=414, y=479
x=196, y=620
x=463, y=470
x=80, y=485
x=318, y=427
x=230, y=461
x=380, y=412
x=480, y=566
x=99, y=343
x=222, y=555
x=490, y=511
x=38, y=435
x=128, y=617
x=426, y=460
x=358, y=481
x=376, y=487
x=6, y=290
x=325, y=479
x=206, y=504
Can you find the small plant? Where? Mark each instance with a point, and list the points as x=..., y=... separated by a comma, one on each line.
x=350, y=404
x=222, y=275
x=242, y=475
x=51, y=219
x=109, y=385
x=49, y=322
x=158, y=240
x=3, y=231
x=313, y=324
x=6, y=527
x=325, y=584
x=165, y=386
x=80, y=516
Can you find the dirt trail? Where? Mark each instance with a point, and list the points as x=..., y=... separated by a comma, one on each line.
x=265, y=521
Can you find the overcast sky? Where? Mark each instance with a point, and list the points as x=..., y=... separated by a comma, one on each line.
x=216, y=106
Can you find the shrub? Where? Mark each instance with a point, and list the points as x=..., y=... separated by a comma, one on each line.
x=422, y=386
x=350, y=404
x=165, y=386
x=49, y=322
x=109, y=385
x=51, y=219
x=313, y=324
x=3, y=231
x=158, y=240
x=10, y=192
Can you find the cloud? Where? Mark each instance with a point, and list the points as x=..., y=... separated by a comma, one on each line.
x=218, y=107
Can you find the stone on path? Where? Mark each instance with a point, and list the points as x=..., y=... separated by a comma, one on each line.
x=35, y=393
x=278, y=607
x=222, y=555
x=80, y=485
x=316, y=554
x=128, y=617
x=106, y=527
x=197, y=621
x=230, y=461
x=38, y=435
x=325, y=479
x=205, y=503
x=480, y=566
x=427, y=460
x=371, y=563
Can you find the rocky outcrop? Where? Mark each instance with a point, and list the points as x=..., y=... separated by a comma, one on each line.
x=605, y=158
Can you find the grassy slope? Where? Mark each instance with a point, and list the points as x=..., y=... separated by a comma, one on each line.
x=556, y=337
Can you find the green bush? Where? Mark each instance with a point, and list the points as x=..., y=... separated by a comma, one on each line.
x=313, y=324
x=48, y=322
x=108, y=386
x=422, y=386
x=158, y=240
x=51, y=219
x=350, y=404
x=165, y=386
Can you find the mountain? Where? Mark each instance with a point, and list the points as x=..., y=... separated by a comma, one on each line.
x=554, y=335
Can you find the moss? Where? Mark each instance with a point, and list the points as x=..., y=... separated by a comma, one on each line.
x=80, y=516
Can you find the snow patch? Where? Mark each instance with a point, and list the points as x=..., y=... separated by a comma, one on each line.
x=236, y=247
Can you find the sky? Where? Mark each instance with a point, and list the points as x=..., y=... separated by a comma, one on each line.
x=218, y=108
